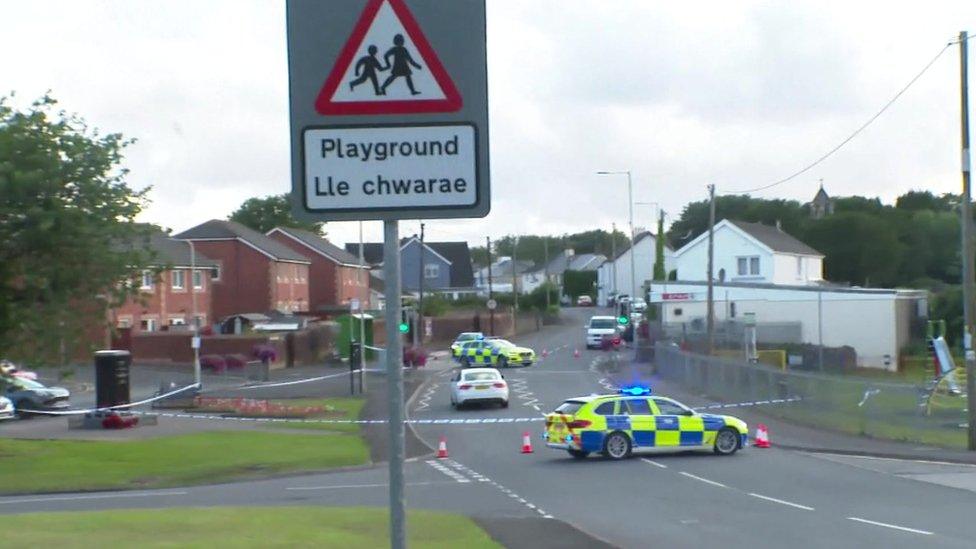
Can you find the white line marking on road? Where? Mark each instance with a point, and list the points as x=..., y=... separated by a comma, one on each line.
x=92, y=496
x=448, y=471
x=705, y=480
x=351, y=486
x=893, y=526
x=877, y=458
x=654, y=463
x=781, y=502
x=537, y=409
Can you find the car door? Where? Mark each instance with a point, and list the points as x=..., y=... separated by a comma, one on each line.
x=687, y=426
x=642, y=426
x=454, y=385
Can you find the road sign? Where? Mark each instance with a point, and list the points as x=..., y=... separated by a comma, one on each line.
x=354, y=304
x=492, y=304
x=389, y=116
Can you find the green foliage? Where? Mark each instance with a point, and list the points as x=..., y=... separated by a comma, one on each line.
x=694, y=218
x=264, y=214
x=532, y=247
x=947, y=305
x=536, y=300
x=925, y=200
x=659, y=273
x=860, y=248
x=69, y=237
x=435, y=305
x=577, y=283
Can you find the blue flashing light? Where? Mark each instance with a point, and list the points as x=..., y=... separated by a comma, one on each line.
x=635, y=390
x=569, y=438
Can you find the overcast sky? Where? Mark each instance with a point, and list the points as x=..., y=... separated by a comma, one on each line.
x=733, y=93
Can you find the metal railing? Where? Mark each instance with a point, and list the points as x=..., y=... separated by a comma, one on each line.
x=856, y=405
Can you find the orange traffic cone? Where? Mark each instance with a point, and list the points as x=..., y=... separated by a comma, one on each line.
x=526, y=443
x=576, y=353
x=762, y=436
x=442, y=448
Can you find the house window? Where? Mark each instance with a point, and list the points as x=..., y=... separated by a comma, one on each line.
x=148, y=325
x=179, y=281
x=147, y=280
x=432, y=270
x=123, y=322
x=747, y=266
x=197, y=280
x=215, y=274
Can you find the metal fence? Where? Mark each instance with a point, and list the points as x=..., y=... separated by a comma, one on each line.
x=863, y=406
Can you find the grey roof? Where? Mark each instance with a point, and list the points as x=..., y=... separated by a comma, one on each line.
x=775, y=238
x=372, y=252
x=220, y=229
x=175, y=253
x=586, y=262
x=320, y=245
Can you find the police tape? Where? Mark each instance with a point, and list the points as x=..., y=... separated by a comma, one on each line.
x=439, y=421
x=745, y=404
x=109, y=408
x=268, y=385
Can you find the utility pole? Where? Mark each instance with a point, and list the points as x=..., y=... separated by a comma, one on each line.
x=514, y=288
x=491, y=310
x=363, y=297
x=710, y=321
x=967, y=240
x=545, y=251
x=394, y=376
x=420, y=302
x=613, y=258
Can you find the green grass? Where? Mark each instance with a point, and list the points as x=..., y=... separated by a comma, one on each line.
x=257, y=527
x=33, y=466
x=345, y=408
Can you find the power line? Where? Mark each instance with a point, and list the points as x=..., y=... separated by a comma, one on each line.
x=853, y=135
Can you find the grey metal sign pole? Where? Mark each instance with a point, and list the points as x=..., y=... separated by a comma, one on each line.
x=394, y=376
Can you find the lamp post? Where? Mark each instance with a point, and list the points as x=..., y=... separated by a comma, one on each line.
x=633, y=250
x=195, y=343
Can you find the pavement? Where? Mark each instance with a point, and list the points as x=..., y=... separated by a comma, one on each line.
x=806, y=491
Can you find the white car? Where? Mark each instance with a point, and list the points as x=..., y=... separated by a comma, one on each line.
x=6, y=408
x=597, y=327
x=478, y=385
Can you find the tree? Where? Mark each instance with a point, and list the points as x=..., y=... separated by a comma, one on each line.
x=264, y=214
x=659, y=273
x=860, y=248
x=68, y=239
x=694, y=218
x=925, y=200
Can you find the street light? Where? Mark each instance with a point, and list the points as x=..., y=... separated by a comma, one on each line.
x=195, y=343
x=633, y=250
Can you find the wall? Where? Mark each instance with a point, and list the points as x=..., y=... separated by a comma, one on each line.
x=410, y=268
x=245, y=284
x=730, y=244
x=352, y=282
x=322, y=277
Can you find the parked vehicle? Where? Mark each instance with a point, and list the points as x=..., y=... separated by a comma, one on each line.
x=28, y=395
x=6, y=408
x=584, y=301
x=597, y=327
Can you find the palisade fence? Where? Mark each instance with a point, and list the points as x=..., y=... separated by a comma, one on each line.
x=863, y=406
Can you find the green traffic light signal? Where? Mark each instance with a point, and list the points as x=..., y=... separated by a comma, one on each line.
x=404, y=328
x=623, y=319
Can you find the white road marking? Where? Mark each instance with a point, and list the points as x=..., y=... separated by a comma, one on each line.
x=892, y=526
x=705, y=480
x=352, y=486
x=876, y=458
x=781, y=502
x=654, y=463
x=93, y=496
x=448, y=471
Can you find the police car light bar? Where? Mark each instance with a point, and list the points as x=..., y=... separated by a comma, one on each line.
x=635, y=390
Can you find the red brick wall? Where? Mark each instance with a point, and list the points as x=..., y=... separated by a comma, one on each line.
x=245, y=281
x=351, y=284
x=163, y=302
x=321, y=273
x=175, y=346
x=289, y=286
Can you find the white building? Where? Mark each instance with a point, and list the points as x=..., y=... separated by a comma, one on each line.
x=567, y=260
x=750, y=252
x=877, y=323
x=613, y=276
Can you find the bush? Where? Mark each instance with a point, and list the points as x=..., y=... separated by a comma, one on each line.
x=213, y=362
x=265, y=352
x=235, y=361
x=435, y=305
x=415, y=356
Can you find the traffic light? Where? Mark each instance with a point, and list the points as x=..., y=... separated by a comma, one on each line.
x=404, y=327
x=622, y=319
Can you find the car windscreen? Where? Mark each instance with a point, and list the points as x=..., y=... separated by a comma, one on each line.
x=602, y=323
x=22, y=383
x=480, y=376
x=569, y=407
x=466, y=337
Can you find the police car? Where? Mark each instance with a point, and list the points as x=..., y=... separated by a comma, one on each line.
x=494, y=352
x=632, y=420
x=461, y=339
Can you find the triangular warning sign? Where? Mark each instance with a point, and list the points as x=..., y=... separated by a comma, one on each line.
x=387, y=67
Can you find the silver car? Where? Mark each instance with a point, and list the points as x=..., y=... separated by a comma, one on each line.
x=28, y=395
x=6, y=408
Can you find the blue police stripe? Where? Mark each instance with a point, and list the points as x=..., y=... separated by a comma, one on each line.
x=666, y=423
x=618, y=422
x=713, y=423
x=691, y=438
x=591, y=441
x=644, y=438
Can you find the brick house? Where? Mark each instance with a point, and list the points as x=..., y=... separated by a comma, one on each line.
x=335, y=277
x=255, y=273
x=166, y=300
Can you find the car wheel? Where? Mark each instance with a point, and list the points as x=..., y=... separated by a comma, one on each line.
x=617, y=446
x=504, y=404
x=578, y=454
x=18, y=409
x=726, y=441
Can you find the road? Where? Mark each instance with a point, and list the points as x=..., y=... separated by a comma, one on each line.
x=773, y=497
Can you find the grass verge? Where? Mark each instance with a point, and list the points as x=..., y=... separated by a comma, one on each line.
x=239, y=527
x=35, y=466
